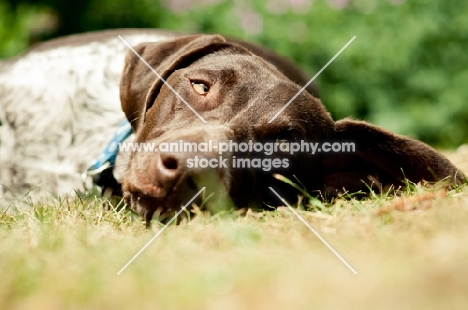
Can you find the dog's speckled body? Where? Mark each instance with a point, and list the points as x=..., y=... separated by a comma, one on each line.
x=59, y=106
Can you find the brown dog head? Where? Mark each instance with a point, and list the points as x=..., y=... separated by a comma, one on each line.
x=221, y=92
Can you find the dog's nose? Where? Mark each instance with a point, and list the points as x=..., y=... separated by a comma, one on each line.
x=164, y=173
x=168, y=169
x=168, y=166
x=169, y=162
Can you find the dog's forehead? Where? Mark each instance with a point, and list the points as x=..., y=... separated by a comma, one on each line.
x=246, y=64
x=256, y=78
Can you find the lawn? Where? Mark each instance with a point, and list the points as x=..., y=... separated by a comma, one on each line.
x=410, y=252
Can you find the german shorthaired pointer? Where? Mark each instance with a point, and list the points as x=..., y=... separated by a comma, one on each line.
x=60, y=105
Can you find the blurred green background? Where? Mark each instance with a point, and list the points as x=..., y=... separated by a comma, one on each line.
x=406, y=71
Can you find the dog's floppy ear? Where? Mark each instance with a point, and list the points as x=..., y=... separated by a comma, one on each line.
x=139, y=85
x=382, y=159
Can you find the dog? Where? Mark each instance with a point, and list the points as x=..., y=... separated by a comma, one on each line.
x=60, y=105
x=61, y=101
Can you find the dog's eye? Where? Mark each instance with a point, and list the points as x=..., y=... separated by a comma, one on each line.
x=200, y=88
x=283, y=145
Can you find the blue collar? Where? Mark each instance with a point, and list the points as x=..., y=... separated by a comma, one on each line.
x=107, y=158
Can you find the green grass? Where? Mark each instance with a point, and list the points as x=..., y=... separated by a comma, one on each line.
x=65, y=254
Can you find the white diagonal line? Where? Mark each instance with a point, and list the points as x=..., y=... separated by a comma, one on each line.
x=313, y=230
x=162, y=79
x=160, y=231
x=311, y=80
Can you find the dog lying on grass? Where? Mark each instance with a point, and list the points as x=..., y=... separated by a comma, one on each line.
x=60, y=103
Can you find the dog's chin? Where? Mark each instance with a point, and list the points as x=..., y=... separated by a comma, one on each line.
x=146, y=205
x=149, y=198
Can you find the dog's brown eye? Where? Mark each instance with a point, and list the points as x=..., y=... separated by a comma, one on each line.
x=283, y=145
x=200, y=88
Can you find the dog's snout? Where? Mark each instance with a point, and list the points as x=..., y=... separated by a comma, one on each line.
x=169, y=173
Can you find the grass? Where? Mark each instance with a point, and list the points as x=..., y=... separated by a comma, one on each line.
x=410, y=252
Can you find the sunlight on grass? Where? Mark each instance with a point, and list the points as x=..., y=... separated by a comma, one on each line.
x=409, y=251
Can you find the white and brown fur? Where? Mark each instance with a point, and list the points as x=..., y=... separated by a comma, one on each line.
x=59, y=106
